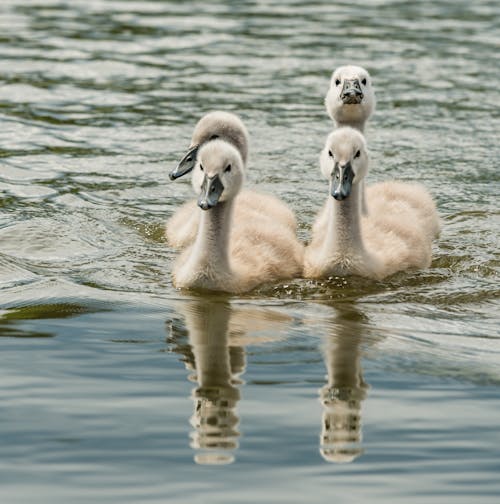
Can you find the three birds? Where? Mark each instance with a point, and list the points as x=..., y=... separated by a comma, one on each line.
x=235, y=239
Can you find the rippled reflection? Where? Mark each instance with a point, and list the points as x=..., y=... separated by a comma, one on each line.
x=217, y=334
x=343, y=394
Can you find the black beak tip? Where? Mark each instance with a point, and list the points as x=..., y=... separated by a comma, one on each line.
x=352, y=98
x=172, y=175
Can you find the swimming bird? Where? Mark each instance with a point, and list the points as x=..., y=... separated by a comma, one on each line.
x=216, y=124
x=350, y=100
x=396, y=235
x=232, y=252
x=181, y=228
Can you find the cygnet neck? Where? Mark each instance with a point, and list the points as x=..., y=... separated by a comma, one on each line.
x=212, y=241
x=357, y=125
x=344, y=226
x=208, y=336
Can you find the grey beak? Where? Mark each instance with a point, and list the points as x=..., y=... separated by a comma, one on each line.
x=341, y=185
x=351, y=92
x=186, y=163
x=211, y=190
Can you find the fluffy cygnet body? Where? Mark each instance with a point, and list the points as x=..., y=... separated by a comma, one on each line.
x=396, y=235
x=232, y=253
x=182, y=227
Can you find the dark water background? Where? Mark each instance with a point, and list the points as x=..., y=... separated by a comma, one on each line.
x=115, y=387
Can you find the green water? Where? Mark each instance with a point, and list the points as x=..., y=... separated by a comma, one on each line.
x=116, y=387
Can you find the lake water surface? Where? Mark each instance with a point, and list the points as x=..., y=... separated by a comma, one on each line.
x=116, y=387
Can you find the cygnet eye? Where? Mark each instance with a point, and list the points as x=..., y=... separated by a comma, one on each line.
x=214, y=137
x=364, y=81
x=337, y=82
x=201, y=167
x=330, y=153
x=358, y=153
x=227, y=169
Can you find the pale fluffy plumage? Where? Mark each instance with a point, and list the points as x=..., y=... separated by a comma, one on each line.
x=224, y=125
x=182, y=227
x=354, y=114
x=234, y=252
x=350, y=114
x=414, y=195
x=396, y=235
x=382, y=194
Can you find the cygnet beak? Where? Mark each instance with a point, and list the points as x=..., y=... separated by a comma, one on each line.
x=186, y=163
x=341, y=184
x=351, y=92
x=211, y=190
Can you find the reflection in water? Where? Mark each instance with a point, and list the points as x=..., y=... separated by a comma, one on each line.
x=217, y=367
x=215, y=399
x=341, y=397
x=217, y=334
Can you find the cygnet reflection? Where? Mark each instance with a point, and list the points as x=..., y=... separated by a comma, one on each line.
x=217, y=334
x=345, y=390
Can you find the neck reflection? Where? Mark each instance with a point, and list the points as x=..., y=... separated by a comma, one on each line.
x=217, y=336
x=216, y=366
x=342, y=396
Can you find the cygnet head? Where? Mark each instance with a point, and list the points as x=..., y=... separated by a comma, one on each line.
x=350, y=100
x=344, y=161
x=218, y=174
x=214, y=125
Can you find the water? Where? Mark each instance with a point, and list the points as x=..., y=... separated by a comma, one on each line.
x=116, y=387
